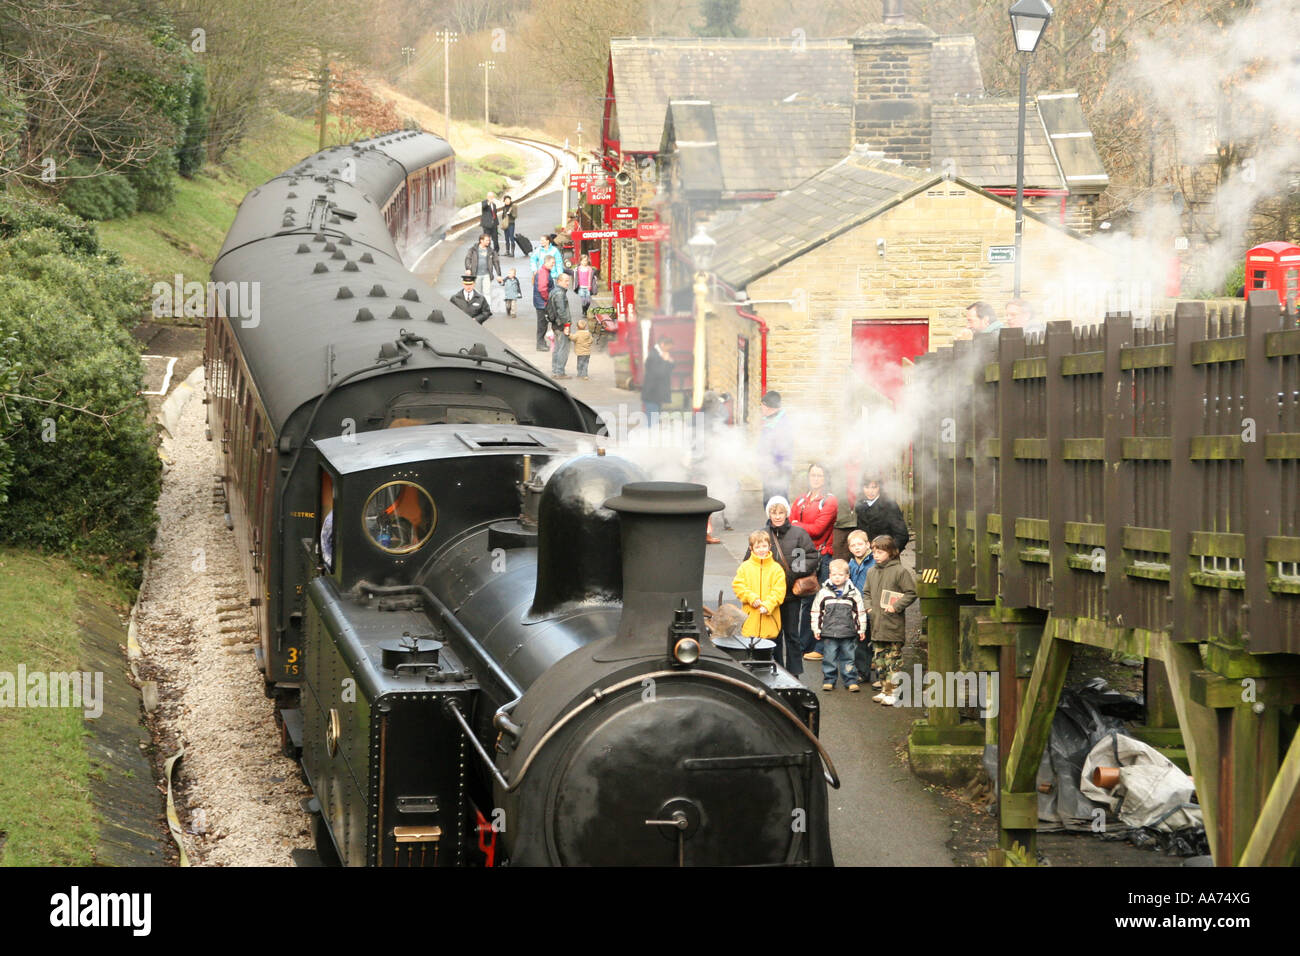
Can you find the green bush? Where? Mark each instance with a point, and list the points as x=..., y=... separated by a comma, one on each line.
x=101, y=195
x=155, y=182
x=77, y=448
x=76, y=236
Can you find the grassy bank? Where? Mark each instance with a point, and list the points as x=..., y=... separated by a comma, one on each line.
x=45, y=772
x=186, y=237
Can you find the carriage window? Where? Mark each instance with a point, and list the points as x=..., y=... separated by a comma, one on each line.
x=399, y=517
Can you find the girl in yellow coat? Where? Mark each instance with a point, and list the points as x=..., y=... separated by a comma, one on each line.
x=760, y=585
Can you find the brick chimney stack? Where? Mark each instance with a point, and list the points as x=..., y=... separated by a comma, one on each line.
x=891, y=95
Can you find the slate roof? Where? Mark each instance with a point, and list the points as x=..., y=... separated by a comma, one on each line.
x=856, y=189
x=750, y=72
x=748, y=149
x=980, y=138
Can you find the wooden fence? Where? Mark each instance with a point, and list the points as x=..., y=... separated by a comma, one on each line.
x=1136, y=488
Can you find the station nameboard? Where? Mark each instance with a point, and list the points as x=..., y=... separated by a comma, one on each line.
x=623, y=213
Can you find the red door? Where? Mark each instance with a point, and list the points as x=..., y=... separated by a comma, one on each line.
x=879, y=347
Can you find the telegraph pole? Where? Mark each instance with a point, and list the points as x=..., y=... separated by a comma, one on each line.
x=448, y=37
x=487, y=65
x=324, y=97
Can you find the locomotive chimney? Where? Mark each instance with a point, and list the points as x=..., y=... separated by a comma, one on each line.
x=663, y=526
x=893, y=12
x=577, y=537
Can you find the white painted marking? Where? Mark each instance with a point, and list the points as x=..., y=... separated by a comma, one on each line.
x=167, y=376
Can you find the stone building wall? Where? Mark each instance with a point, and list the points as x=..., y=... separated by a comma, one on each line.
x=935, y=264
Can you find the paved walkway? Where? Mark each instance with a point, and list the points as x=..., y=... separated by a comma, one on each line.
x=882, y=814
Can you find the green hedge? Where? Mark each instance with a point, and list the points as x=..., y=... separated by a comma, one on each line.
x=79, y=469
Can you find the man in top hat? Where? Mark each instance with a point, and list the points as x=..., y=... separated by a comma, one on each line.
x=470, y=301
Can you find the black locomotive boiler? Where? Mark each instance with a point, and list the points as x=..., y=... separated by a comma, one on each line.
x=505, y=664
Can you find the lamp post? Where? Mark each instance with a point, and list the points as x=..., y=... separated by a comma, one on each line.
x=701, y=245
x=1029, y=20
x=448, y=37
x=487, y=65
x=408, y=52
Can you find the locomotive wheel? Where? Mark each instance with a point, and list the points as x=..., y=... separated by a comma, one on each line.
x=324, y=845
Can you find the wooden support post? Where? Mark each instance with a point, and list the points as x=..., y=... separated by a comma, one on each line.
x=941, y=615
x=1244, y=738
x=1263, y=623
x=963, y=486
x=1034, y=721
x=949, y=458
x=1200, y=735
x=1187, y=419
x=1061, y=490
x=1013, y=583
x=1275, y=840
x=1019, y=773
x=1159, y=697
x=984, y=467
x=1118, y=480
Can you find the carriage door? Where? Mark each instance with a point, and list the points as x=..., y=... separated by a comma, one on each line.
x=879, y=347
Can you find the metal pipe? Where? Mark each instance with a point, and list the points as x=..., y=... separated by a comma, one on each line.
x=1020, y=169
x=478, y=747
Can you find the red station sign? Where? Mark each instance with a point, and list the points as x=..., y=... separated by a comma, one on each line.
x=652, y=232
x=623, y=213
x=579, y=235
x=579, y=181
x=600, y=192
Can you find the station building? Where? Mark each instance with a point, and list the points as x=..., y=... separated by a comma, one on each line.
x=860, y=191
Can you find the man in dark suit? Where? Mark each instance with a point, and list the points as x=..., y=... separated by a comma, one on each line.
x=488, y=220
x=656, y=383
x=470, y=301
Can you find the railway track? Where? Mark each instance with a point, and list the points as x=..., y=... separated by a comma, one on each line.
x=547, y=149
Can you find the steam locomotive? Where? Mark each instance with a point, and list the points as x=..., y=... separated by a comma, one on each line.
x=490, y=625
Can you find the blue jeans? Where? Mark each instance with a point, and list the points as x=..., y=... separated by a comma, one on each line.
x=838, y=658
x=651, y=408
x=805, y=617
x=560, y=357
x=583, y=361
x=510, y=239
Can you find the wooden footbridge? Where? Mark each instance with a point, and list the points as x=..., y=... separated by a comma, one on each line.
x=1134, y=488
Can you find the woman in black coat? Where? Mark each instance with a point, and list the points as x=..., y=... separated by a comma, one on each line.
x=797, y=555
x=879, y=515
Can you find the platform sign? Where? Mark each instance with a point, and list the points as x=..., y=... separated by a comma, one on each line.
x=582, y=235
x=579, y=181
x=999, y=254
x=652, y=232
x=600, y=192
x=623, y=213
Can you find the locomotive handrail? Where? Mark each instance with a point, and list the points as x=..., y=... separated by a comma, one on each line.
x=478, y=747
x=832, y=777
